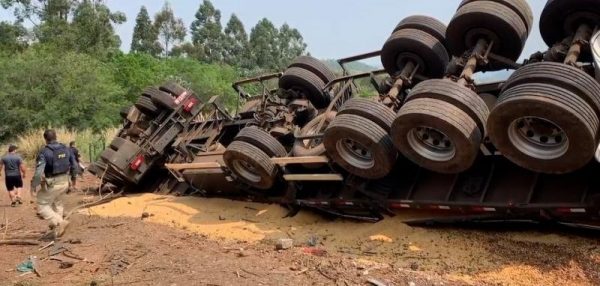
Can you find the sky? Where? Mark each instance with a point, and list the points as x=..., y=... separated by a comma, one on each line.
x=331, y=28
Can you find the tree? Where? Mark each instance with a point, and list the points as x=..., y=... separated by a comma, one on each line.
x=12, y=37
x=263, y=45
x=145, y=36
x=236, y=42
x=207, y=32
x=188, y=50
x=93, y=28
x=290, y=45
x=171, y=30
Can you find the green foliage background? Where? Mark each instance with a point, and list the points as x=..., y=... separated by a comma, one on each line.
x=67, y=70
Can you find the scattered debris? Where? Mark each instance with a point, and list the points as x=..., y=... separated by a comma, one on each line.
x=313, y=240
x=376, y=282
x=144, y=214
x=414, y=266
x=381, y=238
x=19, y=242
x=315, y=251
x=46, y=246
x=29, y=266
x=74, y=241
x=284, y=243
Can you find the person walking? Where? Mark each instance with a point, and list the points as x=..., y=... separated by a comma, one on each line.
x=14, y=172
x=77, y=157
x=54, y=163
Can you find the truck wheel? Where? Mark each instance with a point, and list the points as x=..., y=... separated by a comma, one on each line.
x=426, y=24
x=488, y=20
x=250, y=164
x=544, y=128
x=173, y=88
x=561, y=75
x=124, y=112
x=489, y=99
x=417, y=46
x=561, y=18
x=145, y=105
x=263, y=140
x=436, y=135
x=521, y=7
x=315, y=66
x=464, y=98
x=371, y=110
x=360, y=146
x=160, y=98
x=312, y=147
x=306, y=84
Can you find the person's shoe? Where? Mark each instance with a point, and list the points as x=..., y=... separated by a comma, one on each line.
x=19, y=201
x=61, y=228
x=13, y=204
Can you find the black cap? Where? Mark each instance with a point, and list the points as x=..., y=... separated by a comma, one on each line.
x=12, y=148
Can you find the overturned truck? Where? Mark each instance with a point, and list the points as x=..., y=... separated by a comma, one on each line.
x=433, y=138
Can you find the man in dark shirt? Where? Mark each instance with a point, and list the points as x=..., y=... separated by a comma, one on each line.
x=54, y=163
x=14, y=174
x=77, y=157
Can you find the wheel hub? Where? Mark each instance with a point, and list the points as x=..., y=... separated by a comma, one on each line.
x=246, y=170
x=355, y=153
x=431, y=144
x=538, y=137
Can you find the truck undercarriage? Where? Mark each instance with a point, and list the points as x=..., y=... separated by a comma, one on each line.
x=432, y=139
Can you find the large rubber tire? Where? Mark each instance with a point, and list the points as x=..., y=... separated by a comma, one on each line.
x=417, y=46
x=464, y=98
x=561, y=75
x=555, y=104
x=302, y=148
x=263, y=140
x=489, y=20
x=366, y=133
x=306, y=83
x=160, y=98
x=241, y=154
x=372, y=110
x=561, y=18
x=124, y=112
x=173, y=88
x=424, y=23
x=521, y=7
x=315, y=66
x=461, y=130
x=145, y=105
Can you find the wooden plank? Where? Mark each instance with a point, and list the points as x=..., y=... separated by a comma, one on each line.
x=214, y=153
x=189, y=166
x=314, y=177
x=299, y=160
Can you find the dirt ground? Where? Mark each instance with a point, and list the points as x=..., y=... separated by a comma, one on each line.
x=197, y=241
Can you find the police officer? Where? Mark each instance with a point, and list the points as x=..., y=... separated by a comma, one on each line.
x=52, y=172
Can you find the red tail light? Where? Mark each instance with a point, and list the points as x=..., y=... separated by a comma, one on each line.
x=189, y=104
x=135, y=165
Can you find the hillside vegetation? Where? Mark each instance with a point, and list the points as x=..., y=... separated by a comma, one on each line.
x=68, y=69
